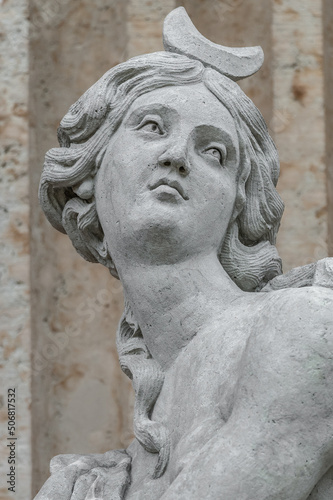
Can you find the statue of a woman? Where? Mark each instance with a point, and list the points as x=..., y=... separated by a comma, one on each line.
x=166, y=174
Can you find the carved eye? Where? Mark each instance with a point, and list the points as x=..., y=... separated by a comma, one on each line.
x=216, y=153
x=152, y=127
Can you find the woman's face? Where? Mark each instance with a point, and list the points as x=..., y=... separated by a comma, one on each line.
x=167, y=184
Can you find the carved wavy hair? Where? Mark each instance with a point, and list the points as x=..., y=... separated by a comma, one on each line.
x=248, y=252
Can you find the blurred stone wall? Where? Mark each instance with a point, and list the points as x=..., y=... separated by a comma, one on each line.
x=298, y=88
x=15, y=257
x=328, y=89
x=60, y=313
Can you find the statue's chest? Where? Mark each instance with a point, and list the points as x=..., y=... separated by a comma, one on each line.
x=198, y=392
x=195, y=402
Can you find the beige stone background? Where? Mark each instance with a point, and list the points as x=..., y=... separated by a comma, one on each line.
x=58, y=313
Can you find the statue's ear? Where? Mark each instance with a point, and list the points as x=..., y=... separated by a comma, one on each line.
x=81, y=223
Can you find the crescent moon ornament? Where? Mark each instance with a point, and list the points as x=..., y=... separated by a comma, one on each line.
x=181, y=36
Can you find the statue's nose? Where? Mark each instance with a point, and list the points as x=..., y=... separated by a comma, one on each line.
x=176, y=158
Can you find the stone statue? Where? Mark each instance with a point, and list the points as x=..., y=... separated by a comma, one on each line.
x=166, y=174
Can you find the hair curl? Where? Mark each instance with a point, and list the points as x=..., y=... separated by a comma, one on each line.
x=248, y=252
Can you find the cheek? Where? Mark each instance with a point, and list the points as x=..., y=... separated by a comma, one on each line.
x=120, y=156
x=217, y=209
x=118, y=171
x=219, y=191
x=133, y=160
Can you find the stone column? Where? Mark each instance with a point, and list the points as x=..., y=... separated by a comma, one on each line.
x=328, y=73
x=299, y=129
x=15, y=330
x=144, y=25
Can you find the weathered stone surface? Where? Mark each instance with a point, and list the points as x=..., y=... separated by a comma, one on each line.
x=166, y=175
x=181, y=36
x=14, y=247
x=144, y=25
x=299, y=124
x=328, y=74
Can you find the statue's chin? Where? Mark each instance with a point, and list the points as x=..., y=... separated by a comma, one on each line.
x=153, y=239
x=156, y=242
x=161, y=228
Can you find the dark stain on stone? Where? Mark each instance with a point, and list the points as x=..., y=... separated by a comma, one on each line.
x=299, y=92
x=321, y=211
x=70, y=379
x=19, y=238
x=291, y=12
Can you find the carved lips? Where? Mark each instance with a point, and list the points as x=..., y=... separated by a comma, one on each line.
x=173, y=184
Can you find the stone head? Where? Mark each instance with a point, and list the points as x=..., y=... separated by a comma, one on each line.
x=87, y=137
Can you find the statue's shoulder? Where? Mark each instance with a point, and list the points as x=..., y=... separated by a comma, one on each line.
x=315, y=274
x=287, y=362
x=299, y=315
x=298, y=307
x=303, y=301
x=303, y=317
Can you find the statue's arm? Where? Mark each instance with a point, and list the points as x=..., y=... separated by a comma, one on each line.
x=277, y=443
x=245, y=463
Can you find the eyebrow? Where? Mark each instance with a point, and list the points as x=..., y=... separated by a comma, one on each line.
x=222, y=134
x=150, y=108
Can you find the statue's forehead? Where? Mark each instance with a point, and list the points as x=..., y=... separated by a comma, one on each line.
x=194, y=103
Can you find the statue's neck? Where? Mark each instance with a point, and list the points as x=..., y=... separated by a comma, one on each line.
x=171, y=303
